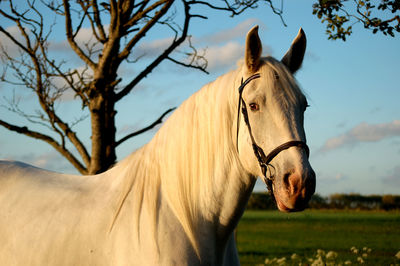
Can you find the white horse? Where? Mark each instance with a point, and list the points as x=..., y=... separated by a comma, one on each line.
x=177, y=200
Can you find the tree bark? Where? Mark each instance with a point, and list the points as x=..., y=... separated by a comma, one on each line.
x=102, y=111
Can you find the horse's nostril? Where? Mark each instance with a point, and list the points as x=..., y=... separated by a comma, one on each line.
x=294, y=184
x=299, y=186
x=286, y=180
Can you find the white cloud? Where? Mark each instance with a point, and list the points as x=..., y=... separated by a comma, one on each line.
x=44, y=160
x=222, y=49
x=227, y=35
x=151, y=48
x=9, y=45
x=130, y=128
x=329, y=182
x=332, y=177
x=84, y=38
x=69, y=94
x=218, y=56
x=224, y=56
x=363, y=132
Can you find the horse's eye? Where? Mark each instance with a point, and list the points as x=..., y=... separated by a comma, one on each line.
x=254, y=107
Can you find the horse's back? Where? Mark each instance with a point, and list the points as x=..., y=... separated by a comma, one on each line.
x=45, y=215
x=16, y=175
x=29, y=185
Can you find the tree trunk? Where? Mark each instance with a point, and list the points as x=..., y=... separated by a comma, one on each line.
x=102, y=113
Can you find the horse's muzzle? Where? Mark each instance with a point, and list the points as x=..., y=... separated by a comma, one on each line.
x=297, y=189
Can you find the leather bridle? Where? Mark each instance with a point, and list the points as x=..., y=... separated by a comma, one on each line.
x=263, y=160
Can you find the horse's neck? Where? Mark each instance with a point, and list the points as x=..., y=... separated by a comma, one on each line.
x=198, y=156
x=191, y=169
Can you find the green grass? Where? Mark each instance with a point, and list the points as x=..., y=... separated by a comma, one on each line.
x=271, y=234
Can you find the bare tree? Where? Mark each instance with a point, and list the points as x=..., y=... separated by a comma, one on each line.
x=117, y=27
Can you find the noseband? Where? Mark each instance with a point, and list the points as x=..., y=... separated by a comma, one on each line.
x=263, y=160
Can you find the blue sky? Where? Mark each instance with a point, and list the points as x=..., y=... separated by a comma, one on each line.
x=352, y=126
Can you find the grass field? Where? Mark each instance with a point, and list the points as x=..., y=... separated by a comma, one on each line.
x=271, y=234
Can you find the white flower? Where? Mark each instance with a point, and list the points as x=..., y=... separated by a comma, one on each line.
x=270, y=261
x=354, y=250
x=281, y=261
x=320, y=253
x=295, y=256
x=347, y=262
x=397, y=255
x=360, y=260
x=331, y=255
x=364, y=255
x=318, y=262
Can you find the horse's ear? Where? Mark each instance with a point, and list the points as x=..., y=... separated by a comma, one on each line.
x=294, y=56
x=253, y=50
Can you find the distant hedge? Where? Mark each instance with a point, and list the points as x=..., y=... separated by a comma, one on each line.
x=263, y=201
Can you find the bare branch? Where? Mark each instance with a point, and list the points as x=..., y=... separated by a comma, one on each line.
x=142, y=32
x=61, y=149
x=188, y=65
x=236, y=9
x=160, y=58
x=96, y=13
x=142, y=12
x=114, y=21
x=71, y=39
x=140, y=7
x=80, y=24
x=56, y=122
x=39, y=76
x=12, y=105
x=19, y=44
x=68, y=78
x=152, y=125
x=194, y=59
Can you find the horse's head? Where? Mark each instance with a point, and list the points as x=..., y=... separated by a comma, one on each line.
x=272, y=140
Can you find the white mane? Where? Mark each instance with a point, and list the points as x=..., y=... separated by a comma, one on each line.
x=196, y=146
x=176, y=200
x=185, y=155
